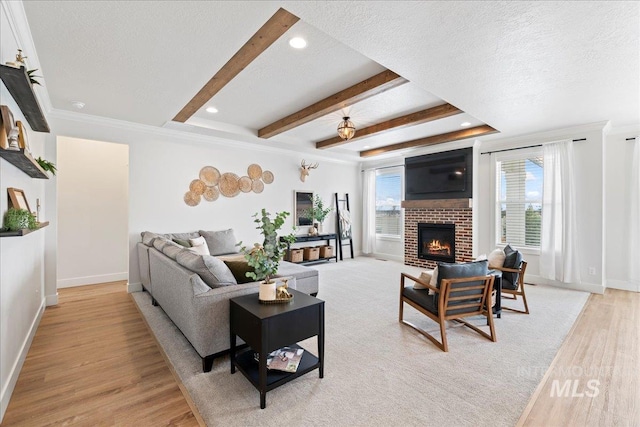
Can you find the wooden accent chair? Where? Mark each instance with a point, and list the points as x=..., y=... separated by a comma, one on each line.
x=513, y=285
x=455, y=299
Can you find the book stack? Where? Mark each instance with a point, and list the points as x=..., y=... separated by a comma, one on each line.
x=284, y=359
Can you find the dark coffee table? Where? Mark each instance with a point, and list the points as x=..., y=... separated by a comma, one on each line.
x=268, y=327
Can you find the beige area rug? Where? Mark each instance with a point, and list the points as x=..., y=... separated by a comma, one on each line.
x=379, y=372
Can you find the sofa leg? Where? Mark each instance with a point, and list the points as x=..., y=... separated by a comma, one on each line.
x=315, y=294
x=207, y=363
x=154, y=302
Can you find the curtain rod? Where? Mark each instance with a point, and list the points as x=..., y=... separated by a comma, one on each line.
x=528, y=146
x=384, y=167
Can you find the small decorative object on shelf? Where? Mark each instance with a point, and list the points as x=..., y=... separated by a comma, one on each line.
x=317, y=212
x=18, y=219
x=19, y=61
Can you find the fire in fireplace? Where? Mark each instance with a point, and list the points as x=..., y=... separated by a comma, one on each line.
x=437, y=242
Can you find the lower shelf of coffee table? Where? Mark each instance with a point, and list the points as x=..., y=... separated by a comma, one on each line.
x=249, y=367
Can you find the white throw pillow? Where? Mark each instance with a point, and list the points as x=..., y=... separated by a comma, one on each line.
x=425, y=276
x=496, y=258
x=199, y=246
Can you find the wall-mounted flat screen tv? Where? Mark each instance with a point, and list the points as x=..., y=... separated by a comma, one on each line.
x=446, y=175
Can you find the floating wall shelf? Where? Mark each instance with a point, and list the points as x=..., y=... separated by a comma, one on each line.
x=24, y=231
x=17, y=82
x=24, y=162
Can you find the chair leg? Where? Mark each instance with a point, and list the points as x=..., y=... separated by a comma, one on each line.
x=443, y=336
x=524, y=299
x=400, y=311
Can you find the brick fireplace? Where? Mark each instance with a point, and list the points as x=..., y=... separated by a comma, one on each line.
x=448, y=211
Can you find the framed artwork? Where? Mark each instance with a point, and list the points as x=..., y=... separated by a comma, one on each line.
x=7, y=119
x=302, y=203
x=23, y=140
x=18, y=199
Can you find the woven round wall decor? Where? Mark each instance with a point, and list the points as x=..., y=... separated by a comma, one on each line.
x=197, y=187
x=229, y=186
x=245, y=184
x=257, y=186
x=267, y=177
x=254, y=171
x=210, y=175
x=191, y=199
x=211, y=194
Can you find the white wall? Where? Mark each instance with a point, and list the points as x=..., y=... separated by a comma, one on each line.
x=618, y=157
x=21, y=258
x=588, y=180
x=162, y=163
x=93, y=188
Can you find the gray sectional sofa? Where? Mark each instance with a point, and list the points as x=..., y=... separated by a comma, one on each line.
x=194, y=290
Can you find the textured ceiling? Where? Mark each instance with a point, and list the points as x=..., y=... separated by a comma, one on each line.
x=518, y=66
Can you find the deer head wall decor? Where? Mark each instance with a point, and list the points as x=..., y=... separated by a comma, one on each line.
x=304, y=169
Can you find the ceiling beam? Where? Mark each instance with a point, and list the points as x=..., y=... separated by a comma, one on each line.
x=432, y=140
x=419, y=117
x=372, y=86
x=271, y=31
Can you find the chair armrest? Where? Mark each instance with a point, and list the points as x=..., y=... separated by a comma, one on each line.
x=415, y=279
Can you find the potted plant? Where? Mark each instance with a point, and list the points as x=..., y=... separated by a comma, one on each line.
x=265, y=258
x=46, y=165
x=317, y=212
x=18, y=219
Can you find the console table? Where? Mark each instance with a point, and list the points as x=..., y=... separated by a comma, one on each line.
x=268, y=327
x=320, y=237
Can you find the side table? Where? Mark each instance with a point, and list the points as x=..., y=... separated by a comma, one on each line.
x=268, y=327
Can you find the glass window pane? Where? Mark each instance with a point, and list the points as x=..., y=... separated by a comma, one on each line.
x=388, y=196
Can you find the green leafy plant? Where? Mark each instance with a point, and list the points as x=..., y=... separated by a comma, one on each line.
x=317, y=211
x=265, y=258
x=17, y=219
x=32, y=77
x=47, y=165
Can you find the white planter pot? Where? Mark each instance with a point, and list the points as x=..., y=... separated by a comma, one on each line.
x=267, y=291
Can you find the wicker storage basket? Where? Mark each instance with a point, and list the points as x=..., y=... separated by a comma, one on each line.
x=295, y=255
x=326, y=251
x=311, y=253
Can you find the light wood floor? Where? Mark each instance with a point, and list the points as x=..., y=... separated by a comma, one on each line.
x=94, y=362
x=599, y=367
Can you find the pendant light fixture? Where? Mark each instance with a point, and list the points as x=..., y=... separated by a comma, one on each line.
x=346, y=129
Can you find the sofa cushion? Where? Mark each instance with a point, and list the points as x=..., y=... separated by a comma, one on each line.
x=220, y=242
x=159, y=242
x=513, y=259
x=185, y=236
x=461, y=270
x=212, y=271
x=239, y=269
x=287, y=268
x=199, y=246
x=171, y=250
x=148, y=237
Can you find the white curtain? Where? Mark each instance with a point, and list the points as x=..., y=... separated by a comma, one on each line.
x=634, y=217
x=558, y=248
x=369, y=211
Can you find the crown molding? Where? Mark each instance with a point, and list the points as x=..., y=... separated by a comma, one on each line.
x=195, y=134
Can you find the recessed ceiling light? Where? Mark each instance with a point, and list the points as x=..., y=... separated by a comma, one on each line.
x=78, y=104
x=212, y=110
x=465, y=124
x=298, y=43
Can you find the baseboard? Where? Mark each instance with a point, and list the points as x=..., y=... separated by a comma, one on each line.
x=623, y=285
x=134, y=287
x=389, y=257
x=92, y=280
x=51, y=300
x=7, y=390
x=594, y=288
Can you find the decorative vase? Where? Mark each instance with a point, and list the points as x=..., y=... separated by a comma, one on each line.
x=318, y=227
x=267, y=291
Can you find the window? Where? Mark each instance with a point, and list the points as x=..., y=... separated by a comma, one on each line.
x=519, y=198
x=388, y=196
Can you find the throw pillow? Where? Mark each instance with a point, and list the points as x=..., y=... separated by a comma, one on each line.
x=426, y=277
x=211, y=270
x=148, y=237
x=481, y=257
x=496, y=258
x=159, y=242
x=199, y=246
x=512, y=260
x=220, y=242
x=185, y=236
x=182, y=242
x=239, y=269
